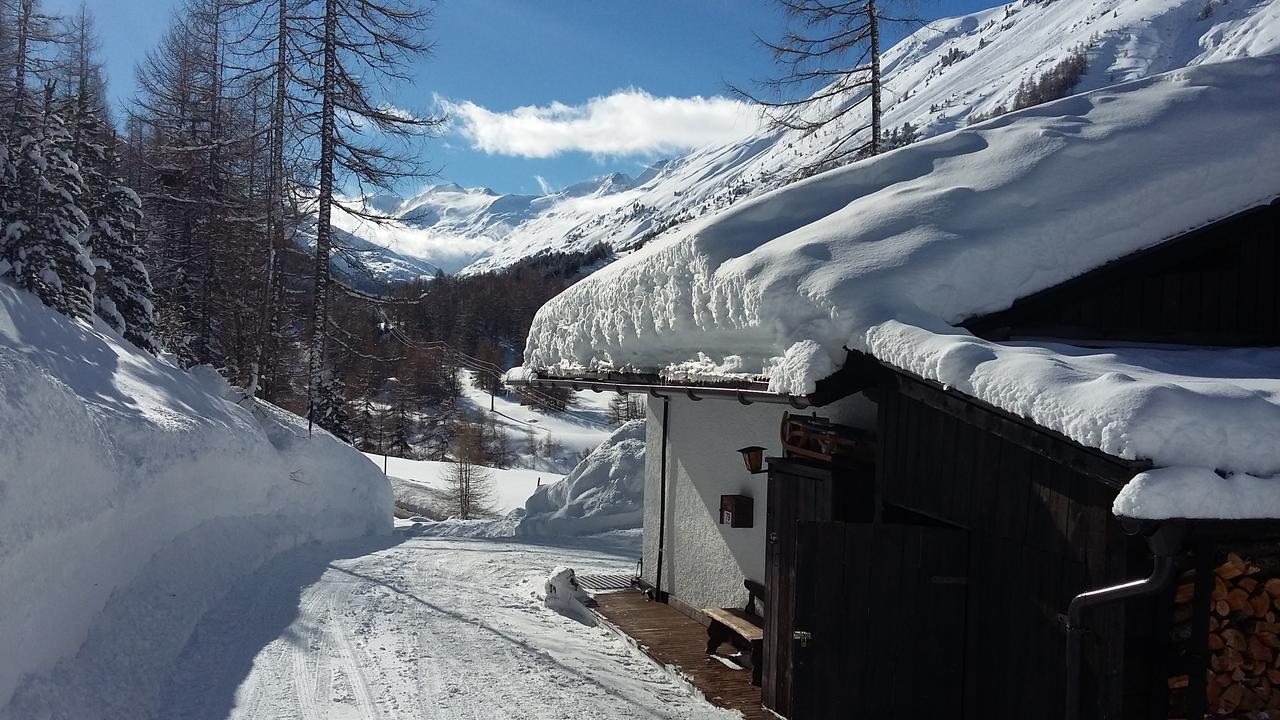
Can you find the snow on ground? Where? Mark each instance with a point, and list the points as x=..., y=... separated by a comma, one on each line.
x=511, y=486
x=133, y=494
x=574, y=433
x=605, y=491
x=417, y=627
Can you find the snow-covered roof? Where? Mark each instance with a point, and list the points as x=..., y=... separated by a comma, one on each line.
x=886, y=255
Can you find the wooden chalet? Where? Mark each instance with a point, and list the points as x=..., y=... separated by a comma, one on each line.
x=950, y=559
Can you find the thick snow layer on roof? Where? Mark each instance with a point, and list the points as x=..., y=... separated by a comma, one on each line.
x=1192, y=492
x=887, y=255
x=930, y=234
x=1215, y=408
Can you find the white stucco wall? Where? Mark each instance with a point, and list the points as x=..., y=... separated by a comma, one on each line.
x=704, y=562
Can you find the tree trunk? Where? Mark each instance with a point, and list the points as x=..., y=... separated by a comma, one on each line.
x=275, y=200
x=874, y=21
x=25, y=11
x=320, y=316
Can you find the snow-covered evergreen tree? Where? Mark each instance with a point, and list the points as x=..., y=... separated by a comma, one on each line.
x=44, y=227
x=123, y=298
x=329, y=407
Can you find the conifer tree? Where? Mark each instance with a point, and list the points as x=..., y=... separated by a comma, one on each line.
x=329, y=407
x=123, y=298
x=44, y=226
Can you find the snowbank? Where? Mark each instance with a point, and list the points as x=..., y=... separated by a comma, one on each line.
x=1022, y=202
x=132, y=494
x=604, y=492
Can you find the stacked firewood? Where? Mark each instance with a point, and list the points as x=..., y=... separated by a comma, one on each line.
x=1243, y=678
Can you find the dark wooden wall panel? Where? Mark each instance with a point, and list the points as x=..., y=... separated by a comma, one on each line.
x=1216, y=286
x=1040, y=533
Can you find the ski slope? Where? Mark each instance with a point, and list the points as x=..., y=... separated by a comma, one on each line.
x=418, y=628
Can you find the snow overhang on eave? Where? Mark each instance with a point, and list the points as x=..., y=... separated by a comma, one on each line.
x=746, y=392
x=859, y=373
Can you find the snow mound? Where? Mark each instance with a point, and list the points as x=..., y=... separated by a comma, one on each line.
x=1024, y=202
x=565, y=596
x=604, y=492
x=132, y=495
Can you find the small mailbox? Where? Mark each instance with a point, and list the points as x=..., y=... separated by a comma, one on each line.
x=736, y=511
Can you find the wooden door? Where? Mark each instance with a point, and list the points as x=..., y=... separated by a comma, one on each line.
x=883, y=607
x=797, y=492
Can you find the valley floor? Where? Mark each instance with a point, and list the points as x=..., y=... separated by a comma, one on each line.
x=418, y=627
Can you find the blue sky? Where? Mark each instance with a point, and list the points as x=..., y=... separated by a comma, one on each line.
x=608, y=85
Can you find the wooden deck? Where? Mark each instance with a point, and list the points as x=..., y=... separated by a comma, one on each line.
x=672, y=638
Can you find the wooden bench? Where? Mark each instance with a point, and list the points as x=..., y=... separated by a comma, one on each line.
x=741, y=627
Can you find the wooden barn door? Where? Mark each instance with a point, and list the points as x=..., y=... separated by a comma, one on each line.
x=879, y=621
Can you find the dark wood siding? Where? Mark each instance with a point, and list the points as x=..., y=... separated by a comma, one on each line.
x=1214, y=286
x=1038, y=513
x=873, y=652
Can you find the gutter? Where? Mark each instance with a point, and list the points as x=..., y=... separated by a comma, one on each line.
x=1164, y=539
x=658, y=593
x=664, y=391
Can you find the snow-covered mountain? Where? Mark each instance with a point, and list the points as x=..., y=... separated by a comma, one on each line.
x=936, y=80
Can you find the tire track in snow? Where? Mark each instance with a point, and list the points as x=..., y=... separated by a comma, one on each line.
x=311, y=645
x=437, y=629
x=352, y=669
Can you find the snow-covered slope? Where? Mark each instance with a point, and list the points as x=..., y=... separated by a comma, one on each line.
x=423, y=482
x=936, y=79
x=132, y=495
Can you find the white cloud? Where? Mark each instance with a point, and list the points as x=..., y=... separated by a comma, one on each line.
x=544, y=185
x=627, y=122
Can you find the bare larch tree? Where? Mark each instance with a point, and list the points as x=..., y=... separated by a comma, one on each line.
x=829, y=58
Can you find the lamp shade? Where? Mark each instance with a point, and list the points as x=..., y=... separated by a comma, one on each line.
x=753, y=455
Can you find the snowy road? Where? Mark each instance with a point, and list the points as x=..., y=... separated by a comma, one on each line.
x=417, y=627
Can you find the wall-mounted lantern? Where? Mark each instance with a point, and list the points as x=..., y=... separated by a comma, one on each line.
x=754, y=457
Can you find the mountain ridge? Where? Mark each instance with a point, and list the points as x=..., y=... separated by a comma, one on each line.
x=949, y=73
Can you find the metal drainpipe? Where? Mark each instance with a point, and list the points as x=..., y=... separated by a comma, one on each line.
x=1164, y=541
x=658, y=593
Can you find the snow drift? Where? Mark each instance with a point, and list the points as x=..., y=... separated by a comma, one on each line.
x=132, y=494
x=604, y=492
